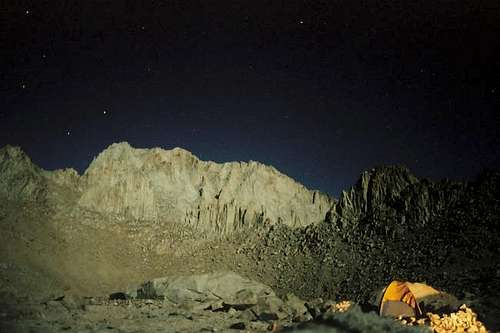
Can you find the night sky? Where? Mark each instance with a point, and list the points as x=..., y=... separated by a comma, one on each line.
x=322, y=90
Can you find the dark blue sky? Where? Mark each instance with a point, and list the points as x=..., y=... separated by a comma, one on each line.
x=322, y=90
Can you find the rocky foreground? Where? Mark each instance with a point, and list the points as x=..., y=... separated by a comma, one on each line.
x=218, y=302
x=69, y=238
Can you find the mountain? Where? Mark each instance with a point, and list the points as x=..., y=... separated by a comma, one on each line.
x=137, y=214
x=167, y=185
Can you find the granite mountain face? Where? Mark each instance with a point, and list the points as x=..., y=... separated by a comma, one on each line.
x=167, y=185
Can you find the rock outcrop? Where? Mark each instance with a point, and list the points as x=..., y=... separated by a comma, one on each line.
x=169, y=186
x=388, y=196
x=227, y=287
x=221, y=291
x=174, y=185
x=20, y=179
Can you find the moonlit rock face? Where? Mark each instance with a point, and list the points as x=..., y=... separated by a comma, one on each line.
x=174, y=185
x=166, y=186
x=20, y=179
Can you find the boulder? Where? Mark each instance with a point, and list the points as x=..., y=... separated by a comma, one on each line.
x=270, y=308
x=297, y=308
x=243, y=299
x=315, y=307
x=230, y=288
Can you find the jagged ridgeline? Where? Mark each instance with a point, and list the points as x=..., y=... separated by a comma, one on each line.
x=125, y=183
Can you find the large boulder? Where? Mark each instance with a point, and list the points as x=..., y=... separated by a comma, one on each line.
x=227, y=287
x=222, y=291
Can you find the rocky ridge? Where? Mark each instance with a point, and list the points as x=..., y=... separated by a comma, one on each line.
x=168, y=185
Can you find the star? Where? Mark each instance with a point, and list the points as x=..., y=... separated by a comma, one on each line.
x=68, y=133
x=27, y=12
x=104, y=112
x=23, y=85
x=301, y=21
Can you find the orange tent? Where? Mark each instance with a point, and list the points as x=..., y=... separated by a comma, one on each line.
x=402, y=298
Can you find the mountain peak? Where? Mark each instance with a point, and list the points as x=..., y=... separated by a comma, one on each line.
x=19, y=177
x=152, y=184
x=13, y=157
x=12, y=152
